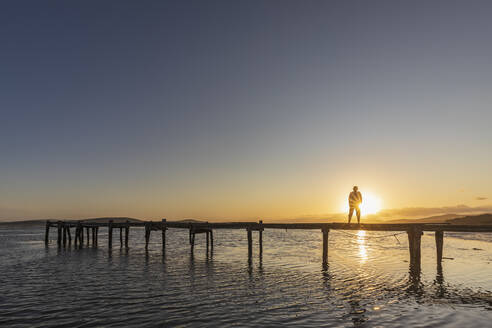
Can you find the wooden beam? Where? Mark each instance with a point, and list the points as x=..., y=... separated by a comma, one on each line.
x=121, y=237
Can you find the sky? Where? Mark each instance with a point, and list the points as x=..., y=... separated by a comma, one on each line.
x=242, y=109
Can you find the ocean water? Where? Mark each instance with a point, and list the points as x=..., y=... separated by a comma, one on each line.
x=366, y=283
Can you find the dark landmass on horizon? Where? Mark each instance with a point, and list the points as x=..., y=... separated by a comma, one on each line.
x=480, y=219
x=96, y=220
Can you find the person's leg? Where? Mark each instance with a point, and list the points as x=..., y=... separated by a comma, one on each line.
x=351, y=212
x=358, y=214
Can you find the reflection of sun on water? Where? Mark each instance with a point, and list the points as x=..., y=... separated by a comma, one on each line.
x=362, y=246
x=371, y=204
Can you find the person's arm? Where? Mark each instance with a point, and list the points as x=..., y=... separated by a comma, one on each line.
x=360, y=197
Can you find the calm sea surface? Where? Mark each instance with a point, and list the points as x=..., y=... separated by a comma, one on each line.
x=366, y=284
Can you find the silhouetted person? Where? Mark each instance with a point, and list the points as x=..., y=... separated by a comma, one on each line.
x=355, y=199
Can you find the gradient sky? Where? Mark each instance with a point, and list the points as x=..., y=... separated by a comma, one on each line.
x=242, y=109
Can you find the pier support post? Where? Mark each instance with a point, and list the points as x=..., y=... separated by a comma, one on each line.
x=97, y=235
x=69, y=235
x=211, y=240
x=164, y=228
x=64, y=234
x=59, y=239
x=250, y=243
x=110, y=234
x=127, y=231
x=47, y=232
x=93, y=236
x=87, y=233
x=325, y=245
x=77, y=234
x=439, y=243
x=81, y=239
x=121, y=237
x=148, y=228
x=414, y=238
x=260, y=237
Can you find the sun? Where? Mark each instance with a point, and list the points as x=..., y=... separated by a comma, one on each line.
x=371, y=204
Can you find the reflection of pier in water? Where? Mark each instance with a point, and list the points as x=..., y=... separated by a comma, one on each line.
x=414, y=232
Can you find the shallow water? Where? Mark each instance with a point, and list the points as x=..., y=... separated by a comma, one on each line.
x=366, y=283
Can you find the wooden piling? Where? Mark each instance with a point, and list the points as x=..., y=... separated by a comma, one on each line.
x=164, y=228
x=414, y=241
x=148, y=228
x=250, y=243
x=439, y=243
x=192, y=237
x=69, y=236
x=325, y=245
x=59, y=239
x=260, y=238
x=121, y=237
x=47, y=232
x=64, y=235
x=97, y=235
x=211, y=239
x=208, y=240
x=77, y=234
x=127, y=231
x=81, y=239
x=110, y=234
x=87, y=233
x=93, y=236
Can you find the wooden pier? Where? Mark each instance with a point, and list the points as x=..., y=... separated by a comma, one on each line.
x=414, y=232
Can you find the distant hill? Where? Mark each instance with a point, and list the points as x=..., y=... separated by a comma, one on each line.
x=98, y=220
x=432, y=219
x=473, y=219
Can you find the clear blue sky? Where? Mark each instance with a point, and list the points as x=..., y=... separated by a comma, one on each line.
x=242, y=108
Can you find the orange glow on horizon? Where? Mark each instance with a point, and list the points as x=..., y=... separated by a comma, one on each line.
x=371, y=204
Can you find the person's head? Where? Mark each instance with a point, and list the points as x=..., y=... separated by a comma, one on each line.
x=356, y=188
